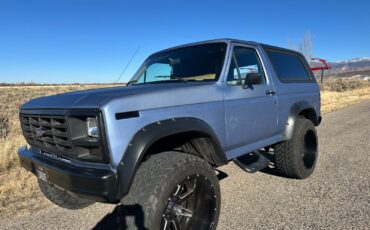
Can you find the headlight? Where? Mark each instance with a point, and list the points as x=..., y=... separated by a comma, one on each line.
x=92, y=127
x=87, y=136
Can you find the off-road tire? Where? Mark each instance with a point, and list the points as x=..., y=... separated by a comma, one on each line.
x=62, y=198
x=297, y=157
x=153, y=184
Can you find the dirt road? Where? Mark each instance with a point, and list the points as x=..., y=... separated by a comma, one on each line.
x=337, y=195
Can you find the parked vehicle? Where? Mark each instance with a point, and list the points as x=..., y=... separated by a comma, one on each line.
x=155, y=143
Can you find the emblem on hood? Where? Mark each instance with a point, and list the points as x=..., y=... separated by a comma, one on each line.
x=40, y=132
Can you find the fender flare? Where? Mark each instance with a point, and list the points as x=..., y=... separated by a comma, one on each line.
x=294, y=112
x=153, y=132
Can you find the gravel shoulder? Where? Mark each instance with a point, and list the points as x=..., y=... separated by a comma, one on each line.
x=336, y=196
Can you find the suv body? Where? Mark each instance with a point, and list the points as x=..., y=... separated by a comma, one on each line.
x=237, y=117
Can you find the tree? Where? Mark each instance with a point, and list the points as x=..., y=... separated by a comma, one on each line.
x=304, y=46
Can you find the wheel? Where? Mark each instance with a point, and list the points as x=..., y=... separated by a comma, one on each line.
x=174, y=191
x=62, y=198
x=296, y=158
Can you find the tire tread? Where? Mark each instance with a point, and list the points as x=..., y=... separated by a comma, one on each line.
x=287, y=160
x=151, y=178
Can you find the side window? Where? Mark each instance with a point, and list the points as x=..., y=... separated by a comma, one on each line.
x=244, y=61
x=288, y=67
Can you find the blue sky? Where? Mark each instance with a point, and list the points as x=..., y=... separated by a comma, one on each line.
x=64, y=41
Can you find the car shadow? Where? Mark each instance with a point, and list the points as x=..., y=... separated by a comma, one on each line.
x=117, y=219
x=270, y=169
x=221, y=174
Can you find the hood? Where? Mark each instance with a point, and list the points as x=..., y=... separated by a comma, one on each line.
x=95, y=98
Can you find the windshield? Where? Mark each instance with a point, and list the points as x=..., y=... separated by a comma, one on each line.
x=196, y=63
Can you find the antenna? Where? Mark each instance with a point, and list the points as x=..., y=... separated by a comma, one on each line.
x=128, y=63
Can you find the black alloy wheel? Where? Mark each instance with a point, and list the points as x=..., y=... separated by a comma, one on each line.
x=192, y=205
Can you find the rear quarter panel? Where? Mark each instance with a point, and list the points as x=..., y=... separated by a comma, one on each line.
x=288, y=94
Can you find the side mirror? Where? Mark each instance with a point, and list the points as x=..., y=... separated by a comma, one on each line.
x=252, y=79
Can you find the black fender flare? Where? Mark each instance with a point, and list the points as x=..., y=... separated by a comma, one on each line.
x=294, y=112
x=153, y=132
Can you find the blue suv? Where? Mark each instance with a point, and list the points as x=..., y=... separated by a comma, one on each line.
x=155, y=143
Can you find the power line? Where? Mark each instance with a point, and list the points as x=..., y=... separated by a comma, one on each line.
x=128, y=63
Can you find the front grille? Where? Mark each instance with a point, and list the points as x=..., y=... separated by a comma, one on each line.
x=62, y=133
x=48, y=133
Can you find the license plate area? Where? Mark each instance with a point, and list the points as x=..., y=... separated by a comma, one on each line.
x=41, y=174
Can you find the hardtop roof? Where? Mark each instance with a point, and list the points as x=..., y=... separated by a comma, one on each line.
x=228, y=41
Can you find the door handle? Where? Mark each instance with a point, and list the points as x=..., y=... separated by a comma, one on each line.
x=270, y=92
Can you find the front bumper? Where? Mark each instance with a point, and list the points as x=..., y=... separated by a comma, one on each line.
x=98, y=184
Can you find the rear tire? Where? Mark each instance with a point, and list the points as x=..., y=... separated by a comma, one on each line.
x=174, y=188
x=296, y=158
x=62, y=198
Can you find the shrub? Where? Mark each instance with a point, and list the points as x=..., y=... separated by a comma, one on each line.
x=4, y=126
x=341, y=85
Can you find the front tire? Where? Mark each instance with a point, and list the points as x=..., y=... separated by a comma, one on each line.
x=296, y=158
x=175, y=191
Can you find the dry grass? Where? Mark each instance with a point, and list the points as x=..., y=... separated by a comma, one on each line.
x=331, y=100
x=344, y=84
x=340, y=93
x=19, y=193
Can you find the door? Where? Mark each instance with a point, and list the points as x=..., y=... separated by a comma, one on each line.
x=251, y=110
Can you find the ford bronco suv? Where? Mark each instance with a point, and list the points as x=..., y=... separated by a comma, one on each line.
x=155, y=143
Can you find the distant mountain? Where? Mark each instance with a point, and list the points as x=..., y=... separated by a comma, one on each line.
x=353, y=65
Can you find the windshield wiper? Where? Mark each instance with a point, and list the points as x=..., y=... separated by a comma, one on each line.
x=172, y=78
